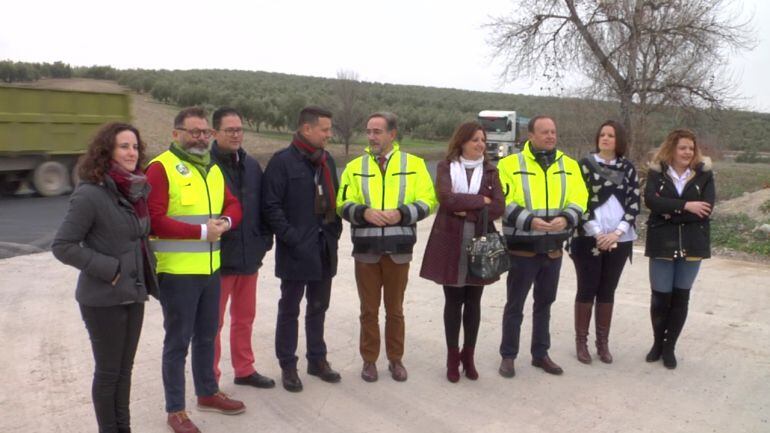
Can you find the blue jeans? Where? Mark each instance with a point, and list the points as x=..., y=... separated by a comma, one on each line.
x=667, y=275
x=190, y=314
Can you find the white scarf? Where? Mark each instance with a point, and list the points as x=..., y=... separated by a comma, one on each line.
x=460, y=184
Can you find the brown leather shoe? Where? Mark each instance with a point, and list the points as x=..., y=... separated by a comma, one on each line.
x=397, y=371
x=221, y=403
x=178, y=422
x=369, y=372
x=547, y=365
x=323, y=369
x=506, y=368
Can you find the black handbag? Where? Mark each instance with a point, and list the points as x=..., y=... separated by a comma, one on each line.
x=487, y=256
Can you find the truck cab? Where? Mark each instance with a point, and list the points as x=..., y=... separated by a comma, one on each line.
x=503, y=130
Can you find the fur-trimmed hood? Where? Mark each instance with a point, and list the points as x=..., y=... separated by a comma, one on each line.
x=704, y=165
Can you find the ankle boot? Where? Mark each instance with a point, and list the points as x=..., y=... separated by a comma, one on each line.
x=453, y=364
x=660, y=303
x=582, y=322
x=677, y=315
x=469, y=366
x=603, y=321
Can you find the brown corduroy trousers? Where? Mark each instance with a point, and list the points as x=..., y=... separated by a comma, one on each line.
x=382, y=280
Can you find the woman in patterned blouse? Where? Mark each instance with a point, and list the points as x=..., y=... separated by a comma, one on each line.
x=604, y=239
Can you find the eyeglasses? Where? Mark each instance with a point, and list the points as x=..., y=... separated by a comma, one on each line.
x=232, y=132
x=196, y=133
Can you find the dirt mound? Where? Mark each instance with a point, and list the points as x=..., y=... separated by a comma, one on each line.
x=749, y=203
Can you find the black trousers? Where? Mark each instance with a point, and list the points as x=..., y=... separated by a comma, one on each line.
x=543, y=271
x=287, y=327
x=598, y=274
x=114, y=332
x=462, y=305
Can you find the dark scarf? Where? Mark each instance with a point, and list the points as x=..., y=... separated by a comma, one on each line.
x=606, y=180
x=201, y=162
x=544, y=157
x=325, y=196
x=132, y=186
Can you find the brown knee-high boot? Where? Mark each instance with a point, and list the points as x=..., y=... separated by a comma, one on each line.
x=603, y=320
x=582, y=322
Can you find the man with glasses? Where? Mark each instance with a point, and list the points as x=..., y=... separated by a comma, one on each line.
x=299, y=205
x=383, y=194
x=190, y=207
x=242, y=248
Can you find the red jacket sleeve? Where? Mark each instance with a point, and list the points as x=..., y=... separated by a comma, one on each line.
x=157, y=203
x=232, y=208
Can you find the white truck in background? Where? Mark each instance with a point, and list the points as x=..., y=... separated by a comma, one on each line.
x=505, y=131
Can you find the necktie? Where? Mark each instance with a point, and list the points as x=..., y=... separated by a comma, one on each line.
x=382, y=160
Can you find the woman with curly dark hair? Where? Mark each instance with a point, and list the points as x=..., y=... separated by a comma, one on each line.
x=104, y=235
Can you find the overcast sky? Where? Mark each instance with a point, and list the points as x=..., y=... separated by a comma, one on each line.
x=431, y=43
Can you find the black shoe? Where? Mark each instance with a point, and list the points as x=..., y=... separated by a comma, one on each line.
x=323, y=370
x=256, y=380
x=506, y=368
x=291, y=380
x=547, y=365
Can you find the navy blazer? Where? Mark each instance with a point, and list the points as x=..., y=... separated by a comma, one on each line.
x=306, y=247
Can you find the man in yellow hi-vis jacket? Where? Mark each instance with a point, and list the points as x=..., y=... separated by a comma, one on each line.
x=190, y=207
x=545, y=197
x=383, y=194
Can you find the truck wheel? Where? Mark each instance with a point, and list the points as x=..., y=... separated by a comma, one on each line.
x=51, y=178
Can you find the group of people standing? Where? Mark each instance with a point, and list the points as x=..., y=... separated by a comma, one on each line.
x=193, y=227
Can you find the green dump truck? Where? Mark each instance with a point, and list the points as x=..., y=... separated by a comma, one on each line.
x=44, y=131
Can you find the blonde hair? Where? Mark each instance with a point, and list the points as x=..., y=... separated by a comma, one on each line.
x=665, y=153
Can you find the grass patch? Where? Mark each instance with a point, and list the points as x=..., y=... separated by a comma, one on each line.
x=737, y=232
x=735, y=178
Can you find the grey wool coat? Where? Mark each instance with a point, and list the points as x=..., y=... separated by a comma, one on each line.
x=101, y=236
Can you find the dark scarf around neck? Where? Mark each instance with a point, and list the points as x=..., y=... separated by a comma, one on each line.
x=325, y=196
x=132, y=186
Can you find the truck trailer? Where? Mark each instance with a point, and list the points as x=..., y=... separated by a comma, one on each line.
x=43, y=132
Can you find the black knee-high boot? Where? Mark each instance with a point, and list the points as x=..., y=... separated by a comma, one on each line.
x=660, y=303
x=677, y=315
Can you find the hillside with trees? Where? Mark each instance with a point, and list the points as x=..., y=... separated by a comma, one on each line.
x=271, y=101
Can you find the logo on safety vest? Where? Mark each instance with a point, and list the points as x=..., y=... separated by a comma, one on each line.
x=182, y=169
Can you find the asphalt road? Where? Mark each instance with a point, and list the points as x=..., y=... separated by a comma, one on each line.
x=28, y=224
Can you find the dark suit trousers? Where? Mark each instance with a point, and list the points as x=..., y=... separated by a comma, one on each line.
x=318, y=294
x=543, y=271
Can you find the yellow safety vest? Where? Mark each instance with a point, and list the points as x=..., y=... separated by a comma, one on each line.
x=192, y=200
x=532, y=192
x=405, y=185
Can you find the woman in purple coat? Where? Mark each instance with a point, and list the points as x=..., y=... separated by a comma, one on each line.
x=466, y=183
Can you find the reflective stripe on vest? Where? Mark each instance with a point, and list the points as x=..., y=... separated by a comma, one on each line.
x=365, y=180
x=370, y=232
x=193, y=199
x=525, y=181
x=528, y=191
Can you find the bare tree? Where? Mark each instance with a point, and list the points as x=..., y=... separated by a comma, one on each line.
x=348, y=113
x=644, y=54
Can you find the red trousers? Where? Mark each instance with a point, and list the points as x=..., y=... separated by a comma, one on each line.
x=242, y=292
